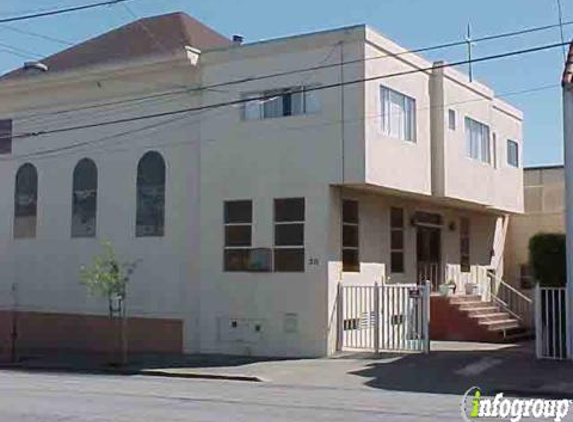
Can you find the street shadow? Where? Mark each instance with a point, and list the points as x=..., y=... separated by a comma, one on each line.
x=454, y=372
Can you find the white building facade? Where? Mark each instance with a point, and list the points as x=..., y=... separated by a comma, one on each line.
x=270, y=173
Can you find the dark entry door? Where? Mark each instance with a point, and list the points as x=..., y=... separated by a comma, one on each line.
x=429, y=252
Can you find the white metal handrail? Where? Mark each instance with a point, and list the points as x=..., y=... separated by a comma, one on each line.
x=510, y=299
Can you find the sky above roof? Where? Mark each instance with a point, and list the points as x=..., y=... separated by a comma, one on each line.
x=411, y=23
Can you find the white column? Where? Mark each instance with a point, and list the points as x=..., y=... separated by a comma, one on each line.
x=568, y=147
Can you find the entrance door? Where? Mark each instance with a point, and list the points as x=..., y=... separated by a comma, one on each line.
x=429, y=255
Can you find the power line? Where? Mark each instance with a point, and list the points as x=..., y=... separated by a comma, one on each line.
x=60, y=11
x=35, y=34
x=295, y=90
x=70, y=148
x=324, y=65
x=560, y=16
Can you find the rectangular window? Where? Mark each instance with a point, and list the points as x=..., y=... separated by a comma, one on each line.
x=398, y=115
x=396, y=240
x=452, y=119
x=477, y=141
x=512, y=153
x=465, y=245
x=281, y=102
x=289, y=216
x=350, y=237
x=238, y=220
x=5, y=136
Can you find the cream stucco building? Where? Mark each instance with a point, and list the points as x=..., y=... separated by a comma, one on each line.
x=249, y=179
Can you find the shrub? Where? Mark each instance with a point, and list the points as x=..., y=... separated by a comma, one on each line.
x=547, y=257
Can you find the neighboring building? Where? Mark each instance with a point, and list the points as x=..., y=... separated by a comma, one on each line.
x=245, y=216
x=544, y=189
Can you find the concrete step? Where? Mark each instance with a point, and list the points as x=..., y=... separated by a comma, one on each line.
x=482, y=311
x=456, y=300
x=473, y=306
x=493, y=316
x=500, y=325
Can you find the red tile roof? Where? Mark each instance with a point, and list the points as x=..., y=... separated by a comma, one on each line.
x=152, y=35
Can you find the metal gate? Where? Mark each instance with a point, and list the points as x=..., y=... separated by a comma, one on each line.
x=387, y=317
x=551, y=333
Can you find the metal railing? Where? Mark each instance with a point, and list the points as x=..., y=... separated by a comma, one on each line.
x=510, y=300
x=391, y=317
x=551, y=333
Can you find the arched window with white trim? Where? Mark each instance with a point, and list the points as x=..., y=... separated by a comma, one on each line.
x=26, y=202
x=150, y=217
x=84, y=199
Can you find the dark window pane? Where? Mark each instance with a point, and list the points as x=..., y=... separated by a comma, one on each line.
x=290, y=209
x=25, y=201
x=465, y=245
x=239, y=212
x=464, y=226
x=238, y=236
x=289, y=260
x=5, y=136
x=236, y=259
x=397, y=262
x=150, y=217
x=84, y=199
x=350, y=260
x=289, y=234
x=397, y=239
x=350, y=212
x=465, y=263
x=397, y=217
x=428, y=218
x=350, y=236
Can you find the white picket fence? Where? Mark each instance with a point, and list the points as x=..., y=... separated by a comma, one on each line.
x=387, y=317
x=551, y=326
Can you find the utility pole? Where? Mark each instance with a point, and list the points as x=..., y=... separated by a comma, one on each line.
x=568, y=146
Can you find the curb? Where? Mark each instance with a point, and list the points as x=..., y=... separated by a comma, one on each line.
x=131, y=372
x=541, y=394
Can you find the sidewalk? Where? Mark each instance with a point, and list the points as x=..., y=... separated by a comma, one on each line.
x=451, y=368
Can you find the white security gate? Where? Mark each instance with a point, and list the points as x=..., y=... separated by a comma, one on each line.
x=551, y=333
x=389, y=317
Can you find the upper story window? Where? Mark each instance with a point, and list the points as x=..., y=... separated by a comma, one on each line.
x=282, y=102
x=25, y=202
x=5, y=136
x=150, y=217
x=398, y=115
x=478, y=141
x=452, y=119
x=512, y=153
x=84, y=199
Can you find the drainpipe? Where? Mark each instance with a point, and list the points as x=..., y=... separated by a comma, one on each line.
x=568, y=148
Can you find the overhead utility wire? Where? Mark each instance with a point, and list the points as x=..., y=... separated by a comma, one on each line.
x=266, y=97
x=313, y=68
x=60, y=11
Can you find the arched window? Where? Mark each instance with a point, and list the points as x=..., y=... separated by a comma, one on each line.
x=84, y=199
x=25, y=201
x=150, y=218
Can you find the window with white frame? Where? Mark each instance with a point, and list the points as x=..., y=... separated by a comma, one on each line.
x=238, y=220
x=350, y=236
x=477, y=141
x=282, y=102
x=398, y=115
x=289, y=235
x=512, y=153
x=452, y=119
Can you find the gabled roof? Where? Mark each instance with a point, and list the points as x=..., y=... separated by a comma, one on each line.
x=147, y=36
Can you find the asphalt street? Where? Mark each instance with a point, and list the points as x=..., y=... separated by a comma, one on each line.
x=51, y=397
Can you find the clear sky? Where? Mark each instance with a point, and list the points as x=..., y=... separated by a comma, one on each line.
x=411, y=23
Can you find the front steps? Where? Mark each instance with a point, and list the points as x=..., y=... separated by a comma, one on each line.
x=469, y=318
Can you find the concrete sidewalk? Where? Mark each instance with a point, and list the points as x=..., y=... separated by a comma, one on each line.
x=451, y=368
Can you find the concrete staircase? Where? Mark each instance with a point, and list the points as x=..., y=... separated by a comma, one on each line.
x=496, y=325
x=469, y=318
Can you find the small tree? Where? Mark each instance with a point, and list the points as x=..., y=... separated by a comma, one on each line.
x=547, y=257
x=108, y=278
